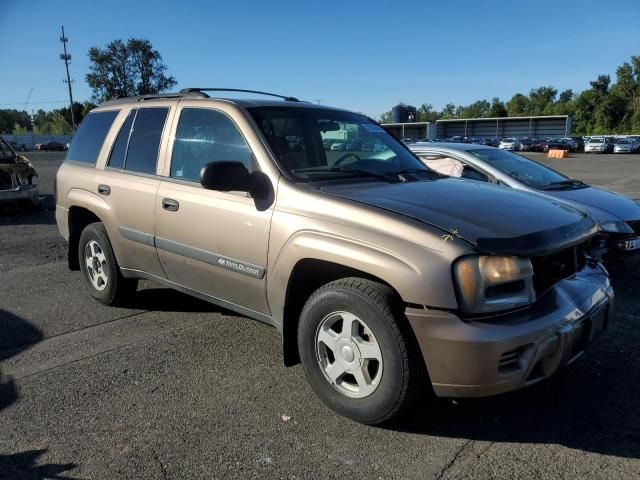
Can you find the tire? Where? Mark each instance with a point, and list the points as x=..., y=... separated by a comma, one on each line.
x=102, y=279
x=396, y=380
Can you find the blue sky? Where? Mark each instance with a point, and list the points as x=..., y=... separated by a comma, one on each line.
x=361, y=55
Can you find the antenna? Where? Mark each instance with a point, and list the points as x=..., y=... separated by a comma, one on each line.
x=66, y=57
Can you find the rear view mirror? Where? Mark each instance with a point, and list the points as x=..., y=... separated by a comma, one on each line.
x=328, y=126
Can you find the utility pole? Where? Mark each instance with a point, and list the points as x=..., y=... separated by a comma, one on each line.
x=66, y=57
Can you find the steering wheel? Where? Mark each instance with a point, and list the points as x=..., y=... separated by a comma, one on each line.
x=344, y=157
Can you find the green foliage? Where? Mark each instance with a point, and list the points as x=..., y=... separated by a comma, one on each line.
x=126, y=69
x=603, y=108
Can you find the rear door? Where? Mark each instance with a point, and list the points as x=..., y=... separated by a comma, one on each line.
x=211, y=242
x=130, y=183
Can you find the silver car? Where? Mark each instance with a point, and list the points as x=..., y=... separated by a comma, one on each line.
x=618, y=217
x=512, y=144
x=623, y=145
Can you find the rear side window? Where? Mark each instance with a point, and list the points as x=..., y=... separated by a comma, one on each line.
x=89, y=138
x=144, y=141
x=119, y=150
x=204, y=136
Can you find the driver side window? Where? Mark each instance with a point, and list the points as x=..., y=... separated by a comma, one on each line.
x=204, y=136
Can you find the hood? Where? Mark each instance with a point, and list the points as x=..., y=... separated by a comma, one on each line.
x=602, y=205
x=494, y=219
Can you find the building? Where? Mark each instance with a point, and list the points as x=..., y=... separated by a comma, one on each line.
x=540, y=127
x=414, y=130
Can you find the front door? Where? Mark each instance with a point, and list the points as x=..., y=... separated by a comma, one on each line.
x=212, y=242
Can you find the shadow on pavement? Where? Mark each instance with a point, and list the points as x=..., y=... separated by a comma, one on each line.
x=159, y=299
x=23, y=213
x=591, y=406
x=16, y=334
x=22, y=466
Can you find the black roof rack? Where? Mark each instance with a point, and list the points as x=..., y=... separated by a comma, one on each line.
x=194, y=90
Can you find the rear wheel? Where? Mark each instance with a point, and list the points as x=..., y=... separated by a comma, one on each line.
x=100, y=272
x=358, y=352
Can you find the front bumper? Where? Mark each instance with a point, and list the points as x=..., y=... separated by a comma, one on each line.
x=477, y=358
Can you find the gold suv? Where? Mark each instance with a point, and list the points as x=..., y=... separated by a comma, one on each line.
x=381, y=275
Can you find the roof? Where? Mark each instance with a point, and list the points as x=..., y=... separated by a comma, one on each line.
x=242, y=102
x=493, y=119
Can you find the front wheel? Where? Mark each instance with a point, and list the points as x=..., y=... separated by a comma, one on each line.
x=358, y=351
x=100, y=272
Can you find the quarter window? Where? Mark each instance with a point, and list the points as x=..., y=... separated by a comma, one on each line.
x=119, y=150
x=204, y=136
x=144, y=142
x=89, y=138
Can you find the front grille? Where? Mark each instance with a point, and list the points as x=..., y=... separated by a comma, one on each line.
x=550, y=269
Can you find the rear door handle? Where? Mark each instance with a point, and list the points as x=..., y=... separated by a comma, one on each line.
x=170, y=204
x=104, y=189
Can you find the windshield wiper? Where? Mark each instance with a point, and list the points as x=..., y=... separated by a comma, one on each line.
x=563, y=184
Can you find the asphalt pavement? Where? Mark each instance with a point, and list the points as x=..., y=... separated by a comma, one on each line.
x=174, y=388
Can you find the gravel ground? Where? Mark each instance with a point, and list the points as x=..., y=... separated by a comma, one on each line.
x=171, y=387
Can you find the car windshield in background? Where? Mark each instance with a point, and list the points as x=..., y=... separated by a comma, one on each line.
x=522, y=169
x=320, y=144
x=596, y=140
x=509, y=140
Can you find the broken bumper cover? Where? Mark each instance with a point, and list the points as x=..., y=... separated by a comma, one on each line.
x=23, y=192
x=476, y=358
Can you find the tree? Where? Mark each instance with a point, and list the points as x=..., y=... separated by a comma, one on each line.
x=498, y=108
x=385, y=117
x=126, y=69
x=449, y=111
x=541, y=100
x=518, y=106
x=426, y=113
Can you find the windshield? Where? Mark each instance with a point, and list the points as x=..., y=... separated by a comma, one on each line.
x=509, y=140
x=320, y=144
x=623, y=141
x=596, y=140
x=522, y=169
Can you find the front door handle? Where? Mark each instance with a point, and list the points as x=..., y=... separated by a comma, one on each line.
x=104, y=189
x=170, y=204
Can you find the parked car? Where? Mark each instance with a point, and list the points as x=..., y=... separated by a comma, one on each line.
x=511, y=143
x=50, y=147
x=618, y=217
x=18, y=147
x=17, y=176
x=555, y=144
x=623, y=145
x=599, y=145
x=380, y=274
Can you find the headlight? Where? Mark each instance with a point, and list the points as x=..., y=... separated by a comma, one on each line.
x=492, y=283
x=615, y=227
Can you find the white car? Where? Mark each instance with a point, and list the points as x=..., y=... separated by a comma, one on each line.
x=598, y=145
x=511, y=144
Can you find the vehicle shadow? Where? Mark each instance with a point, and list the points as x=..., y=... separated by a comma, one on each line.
x=592, y=405
x=23, y=213
x=22, y=466
x=168, y=300
x=16, y=335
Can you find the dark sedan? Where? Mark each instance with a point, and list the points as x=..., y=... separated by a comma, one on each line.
x=51, y=147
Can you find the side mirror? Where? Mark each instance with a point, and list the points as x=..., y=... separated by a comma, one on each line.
x=234, y=177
